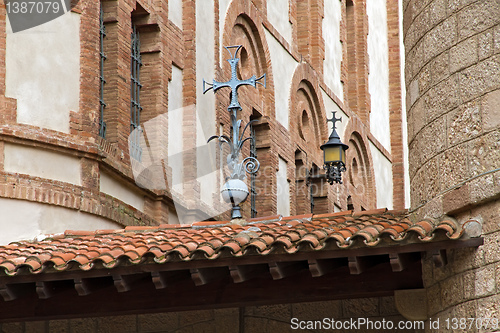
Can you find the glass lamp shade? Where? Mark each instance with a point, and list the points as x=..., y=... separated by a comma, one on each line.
x=234, y=191
x=334, y=153
x=334, y=149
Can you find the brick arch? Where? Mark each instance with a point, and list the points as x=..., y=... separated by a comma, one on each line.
x=359, y=177
x=243, y=26
x=306, y=114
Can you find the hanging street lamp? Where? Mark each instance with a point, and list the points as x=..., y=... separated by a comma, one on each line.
x=235, y=191
x=334, y=154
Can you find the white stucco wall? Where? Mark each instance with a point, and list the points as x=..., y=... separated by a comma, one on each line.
x=223, y=6
x=175, y=129
x=403, y=107
x=383, y=178
x=378, y=78
x=284, y=66
x=172, y=217
x=175, y=12
x=42, y=163
x=330, y=106
x=333, y=47
x=43, y=72
x=278, y=16
x=205, y=103
x=283, y=188
x=117, y=189
x=25, y=220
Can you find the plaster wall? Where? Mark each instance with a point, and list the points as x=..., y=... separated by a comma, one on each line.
x=117, y=189
x=223, y=6
x=43, y=72
x=172, y=217
x=333, y=48
x=283, y=187
x=175, y=12
x=205, y=103
x=23, y=220
x=278, y=16
x=175, y=129
x=284, y=66
x=378, y=77
x=383, y=178
x=41, y=163
x=330, y=106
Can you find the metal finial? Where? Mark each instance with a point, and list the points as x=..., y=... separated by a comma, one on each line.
x=234, y=83
x=334, y=120
x=249, y=164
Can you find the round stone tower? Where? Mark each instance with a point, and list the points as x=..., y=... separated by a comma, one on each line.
x=453, y=106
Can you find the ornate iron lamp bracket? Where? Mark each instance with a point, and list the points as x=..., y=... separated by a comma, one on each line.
x=235, y=190
x=249, y=164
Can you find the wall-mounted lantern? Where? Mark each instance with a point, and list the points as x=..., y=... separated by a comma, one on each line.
x=334, y=154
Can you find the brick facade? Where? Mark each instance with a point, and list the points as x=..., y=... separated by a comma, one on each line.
x=163, y=45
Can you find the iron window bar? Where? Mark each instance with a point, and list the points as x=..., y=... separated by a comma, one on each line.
x=253, y=176
x=102, y=55
x=135, y=91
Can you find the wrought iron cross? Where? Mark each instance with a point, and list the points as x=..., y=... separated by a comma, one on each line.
x=334, y=120
x=234, y=83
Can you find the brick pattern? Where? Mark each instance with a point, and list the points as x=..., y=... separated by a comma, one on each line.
x=165, y=45
x=357, y=93
x=395, y=105
x=360, y=175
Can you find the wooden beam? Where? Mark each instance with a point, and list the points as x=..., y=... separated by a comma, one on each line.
x=439, y=257
x=12, y=292
x=202, y=276
x=166, y=279
x=320, y=267
x=399, y=261
x=86, y=286
x=159, y=279
x=83, y=287
x=280, y=270
x=242, y=273
x=264, y=290
x=358, y=265
x=45, y=289
x=125, y=283
x=245, y=260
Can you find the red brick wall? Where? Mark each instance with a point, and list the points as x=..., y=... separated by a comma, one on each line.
x=164, y=45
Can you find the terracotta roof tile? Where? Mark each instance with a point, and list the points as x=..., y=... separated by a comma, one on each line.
x=213, y=239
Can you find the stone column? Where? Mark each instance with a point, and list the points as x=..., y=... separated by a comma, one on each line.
x=453, y=106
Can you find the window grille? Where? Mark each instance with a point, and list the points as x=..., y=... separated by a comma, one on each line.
x=253, y=192
x=102, y=105
x=311, y=196
x=135, y=90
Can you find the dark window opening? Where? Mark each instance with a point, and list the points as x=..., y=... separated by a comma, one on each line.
x=135, y=91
